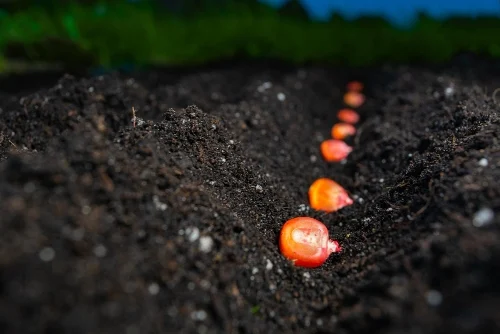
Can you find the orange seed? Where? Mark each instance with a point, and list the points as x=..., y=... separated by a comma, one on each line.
x=355, y=86
x=348, y=116
x=334, y=150
x=354, y=99
x=343, y=130
x=305, y=241
x=327, y=195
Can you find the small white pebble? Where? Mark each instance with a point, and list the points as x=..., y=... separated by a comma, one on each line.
x=100, y=250
x=158, y=204
x=259, y=188
x=91, y=89
x=193, y=233
x=306, y=275
x=483, y=162
x=206, y=244
x=281, y=96
x=313, y=158
x=255, y=270
x=199, y=315
x=381, y=180
x=214, y=127
x=231, y=142
x=434, y=298
x=302, y=208
x=264, y=86
x=448, y=91
x=410, y=155
x=483, y=217
x=361, y=200
x=269, y=264
x=153, y=289
x=223, y=159
x=47, y=254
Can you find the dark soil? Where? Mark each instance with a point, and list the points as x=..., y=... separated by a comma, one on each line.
x=104, y=226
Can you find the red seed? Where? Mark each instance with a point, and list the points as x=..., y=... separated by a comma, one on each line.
x=355, y=86
x=305, y=241
x=327, y=195
x=354, y=99
x=348, y=116
x=343, y=130
x=334, y=150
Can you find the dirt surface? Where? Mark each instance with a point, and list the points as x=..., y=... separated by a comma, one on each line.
x=171, y=226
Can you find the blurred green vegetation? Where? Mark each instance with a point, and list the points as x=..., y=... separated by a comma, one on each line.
x=110, y=33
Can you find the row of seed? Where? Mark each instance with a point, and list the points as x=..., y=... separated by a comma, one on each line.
x=305, y=240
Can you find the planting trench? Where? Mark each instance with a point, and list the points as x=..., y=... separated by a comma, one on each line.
x=172, y=226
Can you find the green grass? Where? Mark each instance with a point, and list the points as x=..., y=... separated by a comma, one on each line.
x=114, y=33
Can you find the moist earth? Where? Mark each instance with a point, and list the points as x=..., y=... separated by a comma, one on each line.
x=169, y=222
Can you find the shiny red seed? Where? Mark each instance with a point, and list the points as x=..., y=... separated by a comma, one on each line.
x=347, y=115
x=343, y=130
x=305, y=241
x=327, y=195
x=334, y=150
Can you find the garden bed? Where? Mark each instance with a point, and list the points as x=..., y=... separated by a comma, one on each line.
x=172, y=225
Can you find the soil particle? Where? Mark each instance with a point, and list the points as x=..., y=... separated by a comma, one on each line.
x=171, y=226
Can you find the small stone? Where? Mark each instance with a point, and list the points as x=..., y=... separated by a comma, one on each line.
x=483, y=162
x=192, y=233
x=153, y=289
x=302, y=208
x=199, y=315
x=47, y=254
x=86, y=209
x=483, y=217
x=269, y=264
x=434, y=298
x=448, y=91
x=206, y=244
x=255, y=270
x=259, y=188
x=281, y=96
x=100, y=251
x=264, y=86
